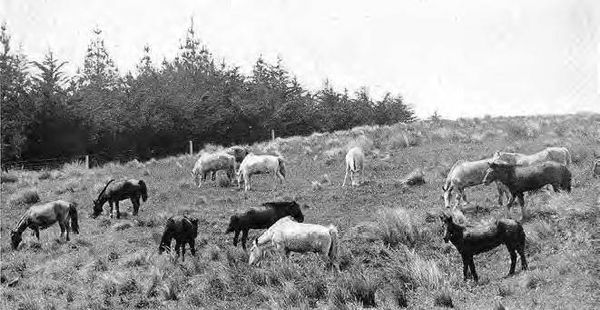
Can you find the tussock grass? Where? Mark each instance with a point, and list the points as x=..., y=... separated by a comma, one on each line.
x=25, y=197
x=8, y=178
x=395, y=226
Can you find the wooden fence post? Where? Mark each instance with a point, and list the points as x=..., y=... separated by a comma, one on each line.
x=273, y=134
x=191, y=147
x=87, y=161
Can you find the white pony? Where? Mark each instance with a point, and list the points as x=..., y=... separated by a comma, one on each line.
x=560, y=155
x=354, y=164
x=212, y=163
x=287, y=235
x=258, y=164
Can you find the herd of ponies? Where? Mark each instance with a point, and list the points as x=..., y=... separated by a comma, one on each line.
x=513, y=173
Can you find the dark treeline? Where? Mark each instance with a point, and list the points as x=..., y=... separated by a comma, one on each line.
x=156, y=109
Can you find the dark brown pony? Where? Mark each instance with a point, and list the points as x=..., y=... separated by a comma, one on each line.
x=184, y=230
x=521, y=179
x=262, y=218
x=132, y=189
x=45, y=215
x=472, y=241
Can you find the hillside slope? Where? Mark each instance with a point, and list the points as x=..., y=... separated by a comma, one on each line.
x=392, y=253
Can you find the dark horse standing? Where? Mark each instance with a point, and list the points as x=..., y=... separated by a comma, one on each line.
x=262, y=218
x=184, y=230
x=470, y=241
x=45, y=215
x=132, y=189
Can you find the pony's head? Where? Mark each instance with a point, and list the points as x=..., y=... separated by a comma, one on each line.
x=99, y=202
x=453, y=231
x=495, y=171
x=256, y=253
x=295, y=212
x=15, y=239
x=233, y=224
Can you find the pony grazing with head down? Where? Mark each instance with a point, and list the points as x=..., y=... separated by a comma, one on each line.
x=473, y=241
x=184, y=230
x=354, y=165
x=43, y=216
x=211, y=163
x=287, y=236
x=132, y=189
x=259, y=164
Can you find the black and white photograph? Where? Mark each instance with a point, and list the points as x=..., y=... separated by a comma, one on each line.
x=280, y=154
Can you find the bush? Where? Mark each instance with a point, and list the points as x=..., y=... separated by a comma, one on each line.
x=25, y=197
x=395, y=226
x=443, y=299
x=8, y=178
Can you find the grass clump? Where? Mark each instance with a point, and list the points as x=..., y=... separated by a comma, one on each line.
x=45, y=175
x=443, y=299
x=395, y=226
x=25, y=197
x=354, y=287
x=8, y=178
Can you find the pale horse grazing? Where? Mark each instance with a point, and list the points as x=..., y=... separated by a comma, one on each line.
x=45, y=215
x=259, y=164
x=560, y=155
x=287, y=236
x=355, y=159
x=467, y=174
x=213, y=162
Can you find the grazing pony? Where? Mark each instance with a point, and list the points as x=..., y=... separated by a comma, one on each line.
x=239, y=152
x=184, y=230
x=467, y=174
x=520, y=179
x=43, y=216
x=132, y=189
x=262, y=218
x=556, y=154
x=213, y=163
x=258, y=164
x=355, y=159
x=472, y=241
x=287, y=236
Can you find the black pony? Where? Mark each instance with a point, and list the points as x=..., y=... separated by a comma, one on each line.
x=262, y=218
x=132, y=189
x=184, y=230
x=471, y=241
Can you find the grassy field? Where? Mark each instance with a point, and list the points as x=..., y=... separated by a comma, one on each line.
x=391, y=251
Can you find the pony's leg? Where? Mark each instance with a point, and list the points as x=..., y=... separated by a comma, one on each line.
x=235, y=237
x=509, y=204
x=472, y=266
x=465, y=268
x=513, y=260
x=192, y=244
x=111, y=208
x=62, y=230
x=556, y=187
x=177, y=247
x=117, y=207
x=136, y=204
x=214, y=176
x=183, y=251
x=464, y=197
x=346, y=176
x=36, y=232
x=523, y=259
x=244, y=238
x=522, y=203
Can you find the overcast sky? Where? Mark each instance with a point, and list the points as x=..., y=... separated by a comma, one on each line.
x=461, y=58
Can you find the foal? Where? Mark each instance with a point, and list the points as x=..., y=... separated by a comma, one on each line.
x=470, y=241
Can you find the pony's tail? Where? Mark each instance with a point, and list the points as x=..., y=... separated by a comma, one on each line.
x=73, y=216
x=144, y=190
x=333, y=249
x=281, y=166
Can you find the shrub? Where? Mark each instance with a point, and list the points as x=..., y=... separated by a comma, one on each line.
x=45, y=175
x=25, y=197
x=8, y=178
x=395, y=226
x=443, y=299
